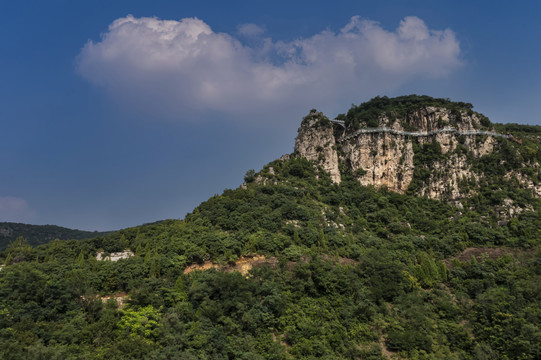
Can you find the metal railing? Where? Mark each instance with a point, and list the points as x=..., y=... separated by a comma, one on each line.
x=445, y=130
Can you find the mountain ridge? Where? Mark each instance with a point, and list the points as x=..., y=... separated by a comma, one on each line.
x=294, y=265
x=41, y=234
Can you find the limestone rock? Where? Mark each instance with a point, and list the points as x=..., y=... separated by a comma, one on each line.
x=387, y=158
x=316, y=142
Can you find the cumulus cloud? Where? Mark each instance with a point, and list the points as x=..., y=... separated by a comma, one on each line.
x=14, y=209
x=250, y=30
x=184, y=67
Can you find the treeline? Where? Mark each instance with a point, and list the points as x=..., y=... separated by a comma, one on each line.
x=40, y=234
x=398, y=107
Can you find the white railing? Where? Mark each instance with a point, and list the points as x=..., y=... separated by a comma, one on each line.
x=445, y=130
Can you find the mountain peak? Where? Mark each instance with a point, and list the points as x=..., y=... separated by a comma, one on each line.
x=420, y=145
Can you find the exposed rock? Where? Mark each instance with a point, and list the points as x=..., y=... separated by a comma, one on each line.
x=295, y=223
x=316, y=142
x=509, y=210
x=380, y=160
x=387, y=158
x=115, y=256
x=448, y=186
x=285, y=157
x=121, y=299
x=243, y=265
x=524, y=181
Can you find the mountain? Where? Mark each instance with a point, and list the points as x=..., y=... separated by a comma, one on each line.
x=423, y=146
x=40, y=234
x=311, y=258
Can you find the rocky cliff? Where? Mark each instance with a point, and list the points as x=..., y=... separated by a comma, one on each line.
x=316, y=141
x=443, y=151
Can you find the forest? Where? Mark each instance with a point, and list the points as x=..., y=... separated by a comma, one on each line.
x=348, y=272
x=40, y=234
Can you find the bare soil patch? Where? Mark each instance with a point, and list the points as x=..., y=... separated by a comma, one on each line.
x=246, y=263
x=243, y=265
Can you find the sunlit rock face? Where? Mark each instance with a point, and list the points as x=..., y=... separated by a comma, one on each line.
x=443, y=170
x=115, y=256
x=316, y=142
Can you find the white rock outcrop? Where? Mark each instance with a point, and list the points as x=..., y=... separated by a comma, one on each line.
x=115, y=256
x=387, y=159
x=317, y=143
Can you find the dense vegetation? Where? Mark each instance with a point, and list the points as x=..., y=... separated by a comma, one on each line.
x=369, y=112
x=358, y=273
x=349, y=272
x=40, y=234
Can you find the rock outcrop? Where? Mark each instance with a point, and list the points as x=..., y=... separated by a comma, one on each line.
x=316, y=142
x=429, y=163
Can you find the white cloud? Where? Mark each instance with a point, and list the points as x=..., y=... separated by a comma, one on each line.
x=14, y=209
x=250, y=30
x=183, y=67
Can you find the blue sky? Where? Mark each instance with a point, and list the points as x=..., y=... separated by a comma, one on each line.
x=117, y=113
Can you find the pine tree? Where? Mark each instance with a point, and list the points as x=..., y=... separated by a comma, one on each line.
x=139, y=250
x=296, y=238
x=124, y=242
x=80, y=259
x=8, y=259
x=180, y=289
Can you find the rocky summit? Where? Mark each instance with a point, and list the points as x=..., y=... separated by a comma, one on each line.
x=422, y=146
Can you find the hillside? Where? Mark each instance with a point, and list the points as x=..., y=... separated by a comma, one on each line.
x=40, y=234
x=303, y=263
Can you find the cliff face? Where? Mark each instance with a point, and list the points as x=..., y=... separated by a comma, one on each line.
x=316, y=142
x=398, y=153
x=380, y=160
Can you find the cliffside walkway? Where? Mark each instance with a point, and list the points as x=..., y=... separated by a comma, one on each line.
x=445, y=130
